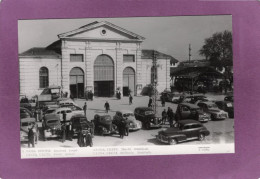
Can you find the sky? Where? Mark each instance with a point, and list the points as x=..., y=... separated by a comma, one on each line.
x=170, y=35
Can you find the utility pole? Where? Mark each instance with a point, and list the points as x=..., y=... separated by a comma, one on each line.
x=155, y=94
x=189, y=52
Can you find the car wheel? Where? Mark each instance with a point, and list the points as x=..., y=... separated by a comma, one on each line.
x=172, y=141
x=201, y=137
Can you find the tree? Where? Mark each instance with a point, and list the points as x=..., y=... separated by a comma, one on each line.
x=218, y=49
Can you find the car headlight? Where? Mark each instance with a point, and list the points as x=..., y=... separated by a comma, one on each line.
x=151, y=120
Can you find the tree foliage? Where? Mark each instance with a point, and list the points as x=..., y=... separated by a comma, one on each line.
x=218, y=49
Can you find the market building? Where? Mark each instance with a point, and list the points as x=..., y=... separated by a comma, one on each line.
x=99, y=56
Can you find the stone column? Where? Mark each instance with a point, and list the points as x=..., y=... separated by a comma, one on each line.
x=65, y=76
x=89, y=68
x=119, y=68
x=139, y=82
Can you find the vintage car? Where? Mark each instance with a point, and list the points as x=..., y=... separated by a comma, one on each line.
x=103, y=125
x=184, y=130
x=175, y=98
x=51, y=126
x=167, y=95
x=229, y=98
x=226, y=106
x=188, y=98
x=213, y=110
x=130, y=119
x=68, y=111
x=25, y=113
x=191, y=111
x=147, y=117
x=67, y=102
x=25, y=124
x=81, y=122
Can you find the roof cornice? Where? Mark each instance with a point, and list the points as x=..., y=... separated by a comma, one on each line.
x=92, y=26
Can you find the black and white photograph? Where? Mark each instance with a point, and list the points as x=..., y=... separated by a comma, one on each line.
x=126, y=86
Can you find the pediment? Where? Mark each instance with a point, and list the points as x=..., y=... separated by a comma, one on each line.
x=101, y=30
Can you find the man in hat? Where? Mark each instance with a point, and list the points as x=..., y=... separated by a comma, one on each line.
x=85, y=109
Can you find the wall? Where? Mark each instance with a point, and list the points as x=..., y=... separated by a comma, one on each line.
x=29, y=74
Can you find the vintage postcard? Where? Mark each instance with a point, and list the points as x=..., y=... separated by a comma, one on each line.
x=126, y=86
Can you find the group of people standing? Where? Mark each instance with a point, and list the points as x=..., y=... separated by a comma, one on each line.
x=84, y=138
x=168, y=115
x=123, y=128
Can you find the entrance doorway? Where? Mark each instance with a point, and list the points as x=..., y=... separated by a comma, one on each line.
x=104, y=76
x=128, y=81
x=77, y=82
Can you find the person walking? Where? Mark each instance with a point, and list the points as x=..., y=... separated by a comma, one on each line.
x=121, y=128
x=130, y=99
x=150, y=102
x=170, y=117
x=30, y=137
x=107, y=107
x=80, y=138
x=85, y=109
x=69, y=131
x=126, y=127
x=164, y=116
x=88, y=139
x=163, y=101
x=63, y=132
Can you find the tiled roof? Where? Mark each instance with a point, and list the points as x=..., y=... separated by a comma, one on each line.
x=40, y=52
x=148, y=54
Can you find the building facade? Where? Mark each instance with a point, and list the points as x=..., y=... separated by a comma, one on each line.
x=100, y=56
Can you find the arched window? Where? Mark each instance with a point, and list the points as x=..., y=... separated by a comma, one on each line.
x=153, y=74
x=44, y=77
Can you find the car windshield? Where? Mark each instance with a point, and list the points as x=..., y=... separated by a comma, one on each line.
x=52, y=121
x=128, y=114
x=212, y=106
x=148, y=112
x=24, y=124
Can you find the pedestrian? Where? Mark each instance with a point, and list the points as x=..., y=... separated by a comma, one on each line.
x=121, y=128
x=91, y=95
x=130, y=99
x=85, y=109
x=88, y=139
x=64, y=116
x=107, y=107
x=163, y=100
x=63, y=132
x=119, y=95
x=164, y=116
x=69, y=131
x=150, y=102
x=71, y=97
x=80, y=138
x=170, y=115
x=31, y=137
x=126, y=127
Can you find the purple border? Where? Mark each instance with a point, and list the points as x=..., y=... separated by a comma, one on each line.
x=246, y=31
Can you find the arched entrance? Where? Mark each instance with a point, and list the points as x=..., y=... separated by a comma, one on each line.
x=128, y=81
x=77, y=82
x=104, y=76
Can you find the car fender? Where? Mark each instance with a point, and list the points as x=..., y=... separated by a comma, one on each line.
x=178, y=137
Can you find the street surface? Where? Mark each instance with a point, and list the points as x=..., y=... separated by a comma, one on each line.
x=220, y=131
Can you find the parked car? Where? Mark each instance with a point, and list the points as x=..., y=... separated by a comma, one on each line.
x=66, y=102
x=81, y=122
x=175, y=98
x=226, y=106
x=103, y=125
x=191, y=111
x=167, y=95
x=69, y=112
x=213, y=110
x=51, y=126
x=130, y=119
x=25, y=113
x=147, y=117
x=187, y=98
x=25, y=124
x=229, y=98
x=184, y=130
